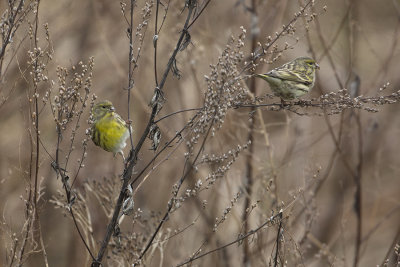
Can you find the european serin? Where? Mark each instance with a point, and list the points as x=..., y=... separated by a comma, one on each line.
x=109, y=130
x=292, y=79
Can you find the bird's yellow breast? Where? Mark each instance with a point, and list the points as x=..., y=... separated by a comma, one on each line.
x=110, y=133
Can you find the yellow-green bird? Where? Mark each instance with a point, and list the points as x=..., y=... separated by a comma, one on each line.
x=293, y=79
x=109, y=130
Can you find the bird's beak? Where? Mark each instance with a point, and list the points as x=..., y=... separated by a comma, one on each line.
x=317, y=66
x=112, y=108
x=260, y=75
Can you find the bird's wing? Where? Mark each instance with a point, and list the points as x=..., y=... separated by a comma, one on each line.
x=290, y=75
x=120, y=122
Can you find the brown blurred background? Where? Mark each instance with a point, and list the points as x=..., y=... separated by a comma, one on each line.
x=350, y=39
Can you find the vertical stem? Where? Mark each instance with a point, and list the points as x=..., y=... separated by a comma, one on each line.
x=36, y=220
x=358, y=193
x=130, y=79
x=155, y=39
x=35, y=98
x=250, y=137
x=353, y=18
x=278, y=238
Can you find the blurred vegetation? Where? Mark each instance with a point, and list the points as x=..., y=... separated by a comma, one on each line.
x=234, y=173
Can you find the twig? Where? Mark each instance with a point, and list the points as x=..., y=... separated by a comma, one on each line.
x=271, y=220
x=392, y=212
x=396, y=241
x=171, y=201
x=24, y=241
x=278, y=237
x=68, y=191
x=199, y=14
x=14, y=250
x=258, y=54
x=177, y=112
x=11, y=30
x=178, y=135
